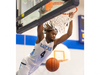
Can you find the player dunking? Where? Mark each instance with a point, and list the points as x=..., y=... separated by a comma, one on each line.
x=43, y=47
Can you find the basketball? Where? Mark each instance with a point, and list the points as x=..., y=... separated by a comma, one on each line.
x=52, y=64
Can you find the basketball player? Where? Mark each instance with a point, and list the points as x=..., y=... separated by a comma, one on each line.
x=43, y=47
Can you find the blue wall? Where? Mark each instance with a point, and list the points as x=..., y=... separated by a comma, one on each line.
x=30, y=40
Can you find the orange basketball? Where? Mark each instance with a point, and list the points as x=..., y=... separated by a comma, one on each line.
x=52, y=64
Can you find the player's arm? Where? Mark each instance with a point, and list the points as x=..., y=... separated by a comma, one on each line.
x=65, y=36
x=40, y=34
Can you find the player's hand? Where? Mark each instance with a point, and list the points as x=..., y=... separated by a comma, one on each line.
x=71, y=14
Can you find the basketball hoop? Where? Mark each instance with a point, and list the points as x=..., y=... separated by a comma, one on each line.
x=73, y=12
x=61, y=21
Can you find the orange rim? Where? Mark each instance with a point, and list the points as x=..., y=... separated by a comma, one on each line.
x=68, y=13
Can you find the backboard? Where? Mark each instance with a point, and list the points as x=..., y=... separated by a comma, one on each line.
x=36, y=12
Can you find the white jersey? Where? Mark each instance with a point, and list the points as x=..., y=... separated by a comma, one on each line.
x=40, y=53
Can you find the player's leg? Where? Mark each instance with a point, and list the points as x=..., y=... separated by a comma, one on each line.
x=17, y=73
x=35, y=67
x=24, y=68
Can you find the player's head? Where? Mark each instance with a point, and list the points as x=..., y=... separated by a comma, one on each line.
x=50, y=32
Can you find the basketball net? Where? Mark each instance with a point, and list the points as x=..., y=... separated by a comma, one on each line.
x=61, y=21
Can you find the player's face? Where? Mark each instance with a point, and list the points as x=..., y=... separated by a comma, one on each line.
x=52, y=34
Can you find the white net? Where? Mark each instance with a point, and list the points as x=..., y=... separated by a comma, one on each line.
x=60, y=22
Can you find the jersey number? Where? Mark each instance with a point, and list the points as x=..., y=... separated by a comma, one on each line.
x=42, y=54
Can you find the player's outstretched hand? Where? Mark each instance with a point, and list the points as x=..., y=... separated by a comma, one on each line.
x=71, y=14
